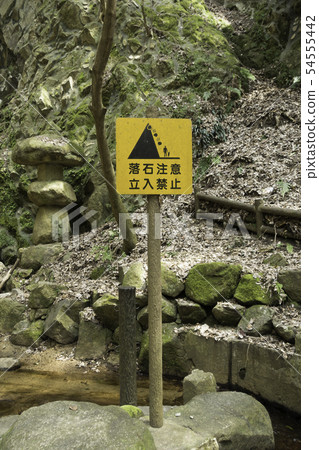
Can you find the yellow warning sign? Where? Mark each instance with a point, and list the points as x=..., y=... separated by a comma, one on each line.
x=153, y=156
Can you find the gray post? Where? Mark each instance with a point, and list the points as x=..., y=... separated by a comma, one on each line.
x=127, y=321
x=155, y=313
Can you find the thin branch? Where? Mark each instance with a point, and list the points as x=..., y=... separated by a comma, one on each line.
x=9, y=273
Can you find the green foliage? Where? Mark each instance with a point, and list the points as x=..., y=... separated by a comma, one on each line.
x=77, y=121
x=78, y=177
x=284, y=187
x=290, y=248
x=102, y=252
x=97, y=272
x=204, y=164
x=9, y=201
x=205, y=137
x=26, y=221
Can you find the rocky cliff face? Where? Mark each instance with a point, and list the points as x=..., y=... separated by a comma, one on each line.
x=167, y=57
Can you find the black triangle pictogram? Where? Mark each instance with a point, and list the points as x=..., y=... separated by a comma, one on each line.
x=145, y=147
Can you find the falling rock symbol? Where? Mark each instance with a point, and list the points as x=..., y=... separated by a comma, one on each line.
x=145, y=147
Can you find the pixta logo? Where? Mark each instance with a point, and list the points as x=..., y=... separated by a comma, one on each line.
x=67, y=222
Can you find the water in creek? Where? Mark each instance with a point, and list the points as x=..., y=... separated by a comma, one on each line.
x=21, y=389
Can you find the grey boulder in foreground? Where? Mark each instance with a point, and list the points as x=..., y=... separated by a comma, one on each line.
x=217, y=420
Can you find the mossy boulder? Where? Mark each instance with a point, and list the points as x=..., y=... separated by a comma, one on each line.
x=257, y=320
x=175, y=361
x=12, y=312
x=43, y=294
x=249, y=292
x=106, y=309
x=190, y=312
x=209, y=283
x=27, y=333
x=135, y=276
x=172, y=286
x=55, y=192
x=33, y=257
x=46, y=149
x=59, y=326
x=168, y=313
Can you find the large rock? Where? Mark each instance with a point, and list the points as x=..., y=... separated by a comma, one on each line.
x=212, y=282
x=175, y=362
x=196, y=383
x=256, y=320
x=6, y=423
x=93, y=339
x=168, y=313
x=59, y=193
x=27, y=333
x=11, y=312
x=249, y=292
x=190, y=312
x=291, y=283
x=59, y=326
x=106, y=309
x=228, y=313
x=172, y=286
x=135, y=276
x=287, y=330
x=38, y=150
x=266, y=372
x=236, y=420
x=76, y=425
x=74, y=307
x=43, y=294
x=33, y=257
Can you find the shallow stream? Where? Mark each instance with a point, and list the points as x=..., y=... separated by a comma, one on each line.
x=21, y=389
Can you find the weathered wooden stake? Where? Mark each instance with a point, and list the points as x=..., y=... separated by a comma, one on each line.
x=155, y=312
x=127, y=321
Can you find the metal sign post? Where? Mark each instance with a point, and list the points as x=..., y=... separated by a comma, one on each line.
x=154, y=157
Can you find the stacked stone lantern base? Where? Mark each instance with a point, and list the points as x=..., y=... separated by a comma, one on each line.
x=50, y=193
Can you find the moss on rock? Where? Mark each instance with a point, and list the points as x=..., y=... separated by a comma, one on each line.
x=209, y=283
x=249, y=292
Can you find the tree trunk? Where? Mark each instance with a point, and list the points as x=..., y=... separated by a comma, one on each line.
x=98, y=111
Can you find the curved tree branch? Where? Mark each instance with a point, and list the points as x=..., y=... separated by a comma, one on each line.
x=108, y=9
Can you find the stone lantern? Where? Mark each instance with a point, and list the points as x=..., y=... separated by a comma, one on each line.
x=50, y=193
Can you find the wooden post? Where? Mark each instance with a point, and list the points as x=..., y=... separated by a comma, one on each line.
x=155, y=313
x=259, y=217
x=127, y=319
